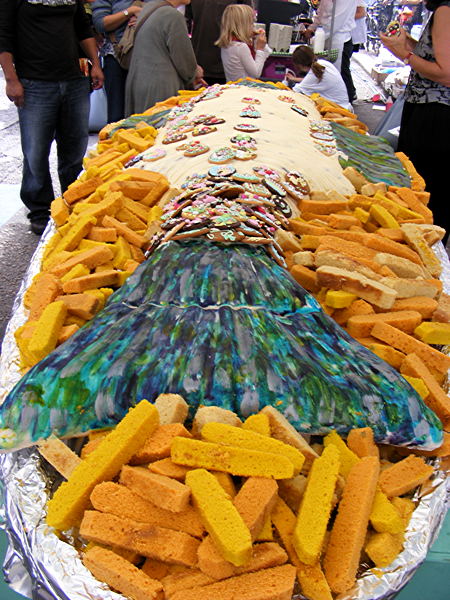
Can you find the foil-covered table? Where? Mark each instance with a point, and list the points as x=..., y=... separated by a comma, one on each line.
x=42, y=566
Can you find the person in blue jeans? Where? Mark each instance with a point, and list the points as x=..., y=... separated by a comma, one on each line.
x=40, y=41
x=111, y=18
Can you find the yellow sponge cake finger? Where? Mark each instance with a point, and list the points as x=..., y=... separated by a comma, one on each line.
x=237, y=461
x=347, y=458
x=121, y=575
x=311, y=578
x=315, y=508
x=220, y=517
x=221, y=433
x=72, y=497
x=349, y=530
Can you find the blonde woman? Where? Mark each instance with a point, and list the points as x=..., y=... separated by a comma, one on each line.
x=243, y=50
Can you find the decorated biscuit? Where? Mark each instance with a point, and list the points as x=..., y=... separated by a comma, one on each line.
x=203, y=130
x=222, y=155
x=248, y=127
x=250, y=112
x=299, y=110
x=195, y=149
x=222, y=171
x=153, y=154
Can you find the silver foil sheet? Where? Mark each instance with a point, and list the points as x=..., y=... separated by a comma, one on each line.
x=42, y=566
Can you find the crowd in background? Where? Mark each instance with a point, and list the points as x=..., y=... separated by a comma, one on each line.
x=41, y=42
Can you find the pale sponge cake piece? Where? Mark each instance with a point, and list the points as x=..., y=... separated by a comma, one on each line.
x=60, y=456
x=230, y=459
x=158, y=444
x=172, y=408
x=160, y=490
x=121, y=575
x=316, y=505
x=276, y=583
x=213, y=414
x=220, y=433
x=282, y=430
x=116, y=499
x=368, y=289
x=150, y=541
x=404, y=476
x=155, y=569
x=255, y=501
x=349, y=530
x=66, y=507
x=220, y=517
x=292, y=490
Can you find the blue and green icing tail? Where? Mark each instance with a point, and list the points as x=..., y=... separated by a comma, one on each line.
x=220, y=325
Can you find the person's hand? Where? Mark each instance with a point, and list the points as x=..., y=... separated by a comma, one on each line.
x=292, y=78
x=198, y=78
x=260, y=39
x=132, y=21
x=307, y=34
x=399, y=44
x=134, y=10
x=14, y=91
x=97, y=77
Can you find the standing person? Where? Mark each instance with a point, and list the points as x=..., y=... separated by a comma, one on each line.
x=344, y=23
x=319, y=76
x=111, y=18
x=163, y=60
x=425, y=125
x=359, y=33
x=206, y=16
x=39, y=55
x=243, y=50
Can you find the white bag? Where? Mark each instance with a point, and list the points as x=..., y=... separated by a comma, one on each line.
x=98, y=111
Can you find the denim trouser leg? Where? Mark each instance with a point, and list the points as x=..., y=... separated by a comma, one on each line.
x=37, y=119
x=115, y=78
x=72, y=128
x=52, y=110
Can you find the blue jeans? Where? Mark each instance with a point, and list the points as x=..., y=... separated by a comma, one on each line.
x=115, y=78
x=53, y=110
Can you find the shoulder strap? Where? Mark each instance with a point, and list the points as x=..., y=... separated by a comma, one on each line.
x=148, y=14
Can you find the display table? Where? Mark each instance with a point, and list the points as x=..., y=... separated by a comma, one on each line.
x=431, y=576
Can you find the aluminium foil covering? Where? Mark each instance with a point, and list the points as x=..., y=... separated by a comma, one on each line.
x=41, y=566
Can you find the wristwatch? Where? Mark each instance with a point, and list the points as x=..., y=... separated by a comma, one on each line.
x=407, y=58
x=126, y=13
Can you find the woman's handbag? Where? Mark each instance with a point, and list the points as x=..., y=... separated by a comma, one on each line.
x=123, y=50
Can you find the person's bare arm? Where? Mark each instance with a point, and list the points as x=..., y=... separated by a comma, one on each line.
x=112, y=22
x=438, y=71
x=13, y=88
x=89, y=47
x=360, y=12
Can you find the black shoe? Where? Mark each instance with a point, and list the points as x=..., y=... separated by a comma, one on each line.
x=38, y=226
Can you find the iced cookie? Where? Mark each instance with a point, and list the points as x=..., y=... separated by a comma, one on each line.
x=248, y=127
x=222, y=155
